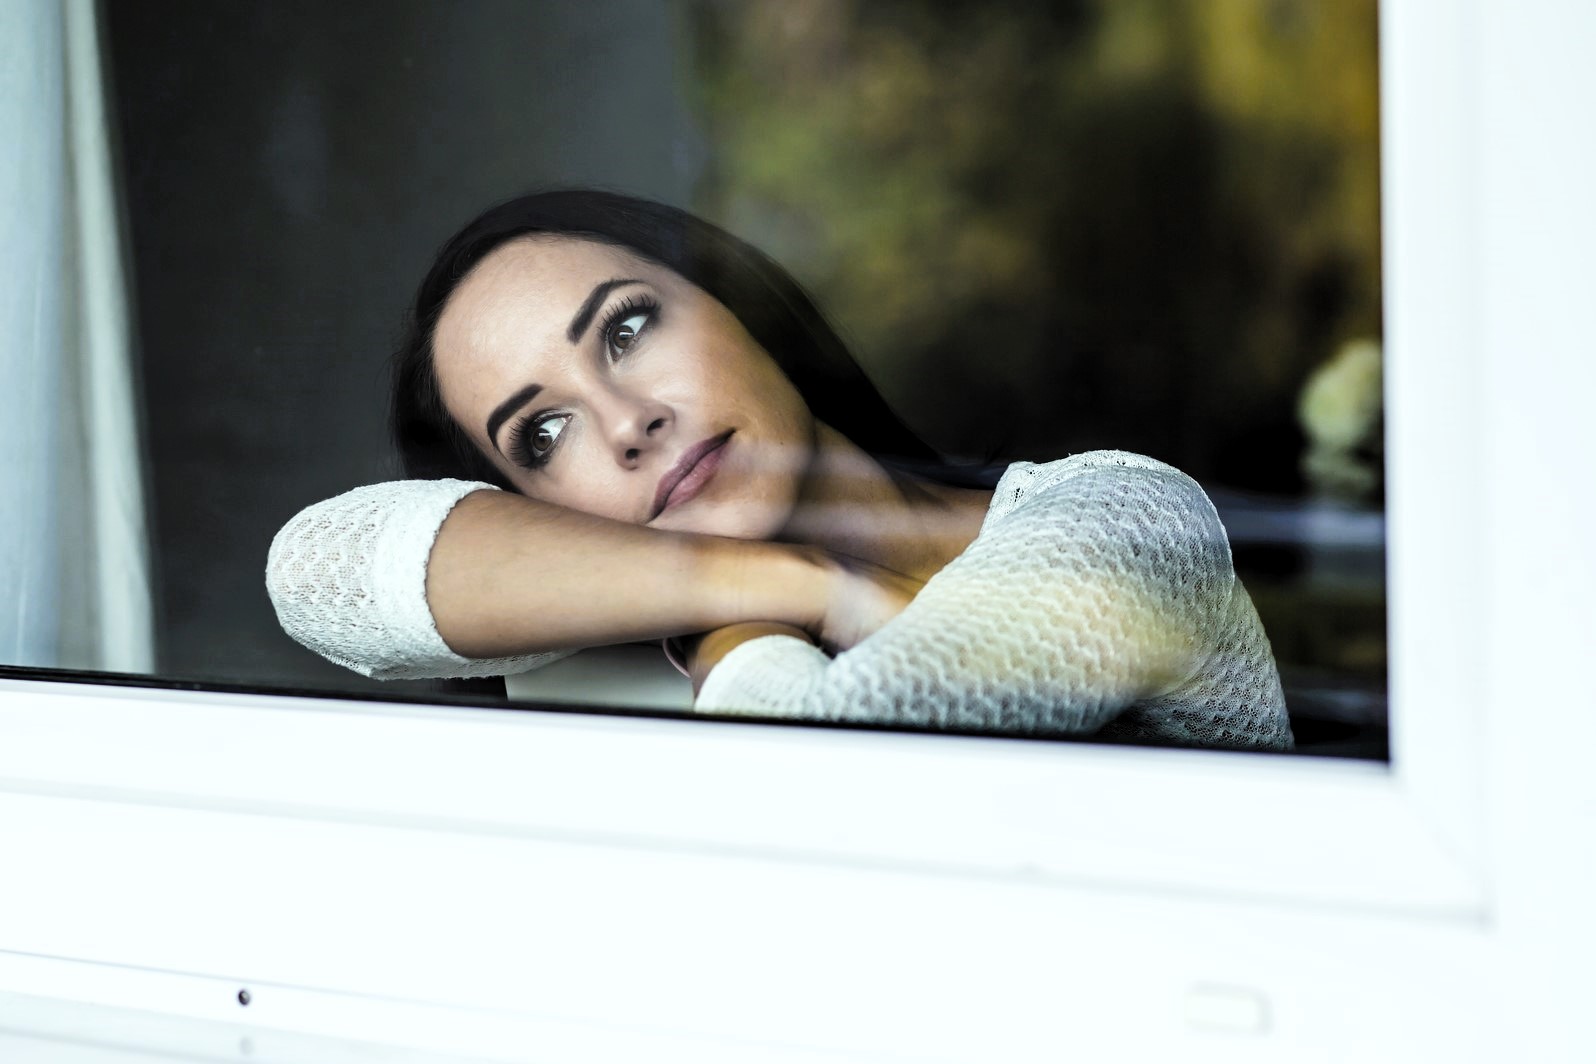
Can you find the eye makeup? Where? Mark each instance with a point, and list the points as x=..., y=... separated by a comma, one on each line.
x=612, y=330
x=534, y=437
x=524, y=438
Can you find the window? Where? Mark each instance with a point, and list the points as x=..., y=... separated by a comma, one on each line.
x=1043, y=229
x=589, y=879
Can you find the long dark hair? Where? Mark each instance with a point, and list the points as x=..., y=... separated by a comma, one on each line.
x=772, y=306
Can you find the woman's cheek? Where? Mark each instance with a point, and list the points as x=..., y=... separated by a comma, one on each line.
x=589, y=488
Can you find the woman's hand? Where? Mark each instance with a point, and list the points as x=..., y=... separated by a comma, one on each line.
x=858, y=598
x=509, y=576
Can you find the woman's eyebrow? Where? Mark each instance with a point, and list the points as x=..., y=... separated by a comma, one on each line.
x=579, y=324
x=502, y=412
x=584, y=313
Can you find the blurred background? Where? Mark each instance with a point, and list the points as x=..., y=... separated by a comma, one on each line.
x=1045, y=227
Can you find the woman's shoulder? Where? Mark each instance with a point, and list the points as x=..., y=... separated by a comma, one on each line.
x=1106, y=508
x=1091, y=474
x=1103, y=522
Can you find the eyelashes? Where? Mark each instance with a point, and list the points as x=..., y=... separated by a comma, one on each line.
x=535, y=436
x=618, y=331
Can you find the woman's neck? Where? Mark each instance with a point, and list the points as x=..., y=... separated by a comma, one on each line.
x=852, y=505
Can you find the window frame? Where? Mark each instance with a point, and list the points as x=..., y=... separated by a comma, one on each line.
x=199, y=777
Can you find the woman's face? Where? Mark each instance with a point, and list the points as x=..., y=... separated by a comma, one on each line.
x=602, y=382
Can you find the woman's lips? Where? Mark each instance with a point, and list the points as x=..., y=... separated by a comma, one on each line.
x=694, y=469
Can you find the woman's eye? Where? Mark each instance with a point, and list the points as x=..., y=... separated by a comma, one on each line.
x=541, y=439
x=625, y=331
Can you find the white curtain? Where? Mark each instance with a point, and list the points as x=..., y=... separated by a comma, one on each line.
x=74, y=559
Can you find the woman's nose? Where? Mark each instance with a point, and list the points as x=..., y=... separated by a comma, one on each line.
x=636, y=426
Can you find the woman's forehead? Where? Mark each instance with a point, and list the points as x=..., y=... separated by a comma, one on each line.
x=526, y=290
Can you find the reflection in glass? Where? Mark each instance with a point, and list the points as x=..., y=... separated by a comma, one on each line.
x=1044, y=229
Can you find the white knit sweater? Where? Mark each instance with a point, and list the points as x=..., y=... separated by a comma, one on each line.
x=1098, y=597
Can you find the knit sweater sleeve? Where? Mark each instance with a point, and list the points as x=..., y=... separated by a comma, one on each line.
x=348, y=578
x=1096, y=583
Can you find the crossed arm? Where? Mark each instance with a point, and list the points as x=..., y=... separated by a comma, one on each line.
x=1097, y=593
x=446, y=578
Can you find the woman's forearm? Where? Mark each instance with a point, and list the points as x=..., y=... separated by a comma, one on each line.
x=510, y=575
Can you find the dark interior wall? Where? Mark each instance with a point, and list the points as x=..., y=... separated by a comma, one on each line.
x=290, y=168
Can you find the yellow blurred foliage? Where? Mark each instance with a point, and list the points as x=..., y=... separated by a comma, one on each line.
x=1002, y=191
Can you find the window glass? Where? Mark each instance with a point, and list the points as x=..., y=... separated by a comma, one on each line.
x=1042, y=229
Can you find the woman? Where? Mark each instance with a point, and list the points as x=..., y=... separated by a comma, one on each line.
x=685, y=448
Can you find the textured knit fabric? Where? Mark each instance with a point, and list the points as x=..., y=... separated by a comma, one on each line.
x=1098, y=598
x=348, y=578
